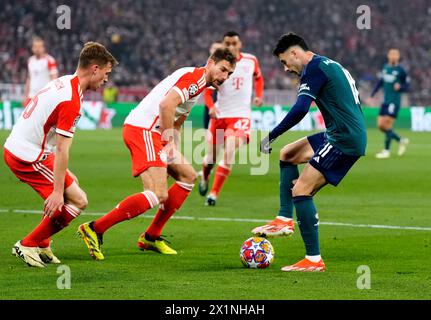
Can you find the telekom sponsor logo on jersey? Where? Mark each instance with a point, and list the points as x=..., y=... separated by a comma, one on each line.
x=237, y=82
x=235, y=95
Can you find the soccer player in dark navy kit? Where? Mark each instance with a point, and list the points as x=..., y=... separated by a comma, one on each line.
x=394, y=81
x=328, y=155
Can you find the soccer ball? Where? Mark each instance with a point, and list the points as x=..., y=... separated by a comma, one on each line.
x=256, y=252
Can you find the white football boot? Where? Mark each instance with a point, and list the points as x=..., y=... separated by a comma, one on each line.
x=47, y=256
x=402, y=146
x=384, y=154
x=30, y=255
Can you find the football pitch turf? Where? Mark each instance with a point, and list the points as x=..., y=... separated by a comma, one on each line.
x=378, y=217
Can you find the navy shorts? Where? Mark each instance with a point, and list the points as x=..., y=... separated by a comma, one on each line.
x=329, y=160
x=389, y=109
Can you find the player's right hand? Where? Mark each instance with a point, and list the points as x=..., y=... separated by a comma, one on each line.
x=265, y=145
x=53, y=203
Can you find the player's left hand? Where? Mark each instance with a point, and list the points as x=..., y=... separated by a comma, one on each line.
x=397, y=86
x=257, y=101
x=265, y=145
x=170, y=151
x=212, y=113
x=53, y=203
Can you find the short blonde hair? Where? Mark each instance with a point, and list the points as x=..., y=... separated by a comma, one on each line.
x=95, y=53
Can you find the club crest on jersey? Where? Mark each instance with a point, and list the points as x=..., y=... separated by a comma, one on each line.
x=193, y=89
x=304, y=86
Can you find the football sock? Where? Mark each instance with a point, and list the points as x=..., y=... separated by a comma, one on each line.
x=50, y=226
x=221, y=175
x=308, y=223
x=45, y=243
x=177, y=194
x=389, y=136
x=395, y=136
x=314, y=259
x=288, y=173
x=129, y=208
x=74, y=211
x=206, y=170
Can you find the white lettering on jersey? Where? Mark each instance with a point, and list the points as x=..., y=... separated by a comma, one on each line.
x=304, y=86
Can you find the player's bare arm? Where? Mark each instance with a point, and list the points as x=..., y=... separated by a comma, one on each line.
x=258, y=87
x=167, y=120
x=56, y=200
x=177, y=133
x=167, y=111
x=209, y=103
x=26, y=88
x=54, y=75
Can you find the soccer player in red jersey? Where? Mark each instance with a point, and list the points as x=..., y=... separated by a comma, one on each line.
x=230, y=116
x=37, y=150
x=149, y=133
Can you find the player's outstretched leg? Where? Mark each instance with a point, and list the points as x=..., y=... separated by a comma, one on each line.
x=290, y=156
x=283, y=224
x=132, y=206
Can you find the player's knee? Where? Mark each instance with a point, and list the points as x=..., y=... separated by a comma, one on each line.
x=287, y=155
x=382, y=126
x=191, y=177
x=188, y=177
x=299, y=189
x=81, y=202
x=162, y=195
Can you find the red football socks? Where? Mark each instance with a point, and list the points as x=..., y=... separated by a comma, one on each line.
x=129, y=208
x=40, y=236
x=177, y=194
x=220, y=178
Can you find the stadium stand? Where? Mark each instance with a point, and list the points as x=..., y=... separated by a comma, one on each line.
x=151, y=38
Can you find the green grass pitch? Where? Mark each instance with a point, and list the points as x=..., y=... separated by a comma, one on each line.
x=393, y=192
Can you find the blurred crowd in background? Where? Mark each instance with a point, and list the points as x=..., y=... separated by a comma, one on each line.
x=152, y=38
